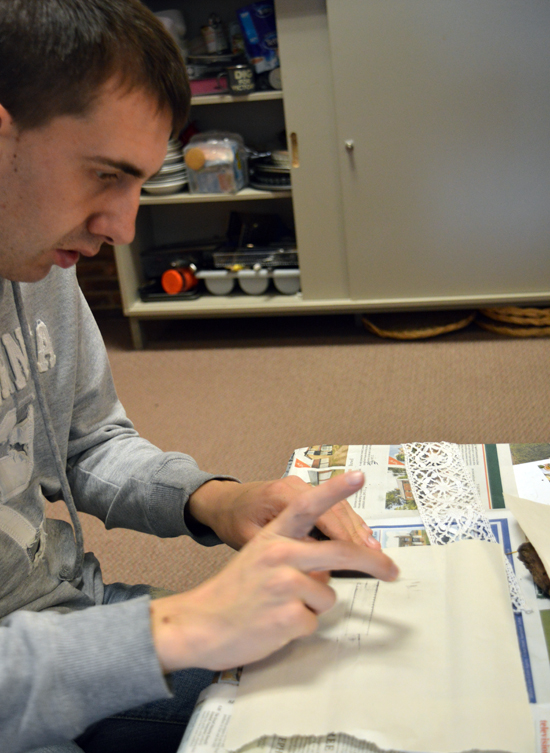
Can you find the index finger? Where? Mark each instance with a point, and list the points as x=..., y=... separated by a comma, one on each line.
x=298, y=518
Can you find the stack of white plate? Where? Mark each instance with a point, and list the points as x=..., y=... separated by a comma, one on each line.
x=172, y=176
x=281, y=158
x=273, y=175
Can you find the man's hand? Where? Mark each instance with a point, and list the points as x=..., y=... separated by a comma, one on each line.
x=236, y=512
x=270, y=593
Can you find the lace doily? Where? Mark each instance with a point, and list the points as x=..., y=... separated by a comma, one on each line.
x=448, y=501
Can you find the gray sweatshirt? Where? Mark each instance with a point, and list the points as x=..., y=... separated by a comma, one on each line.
x=66, y=660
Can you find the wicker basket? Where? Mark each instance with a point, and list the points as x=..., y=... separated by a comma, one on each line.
x=511, y=329
x=414, y=325
x=517, y=315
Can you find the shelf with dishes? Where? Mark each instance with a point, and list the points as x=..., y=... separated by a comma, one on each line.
x=237, y=302
x=218, y=167
x=220, y=99
x=226, y=155
x=245, y=194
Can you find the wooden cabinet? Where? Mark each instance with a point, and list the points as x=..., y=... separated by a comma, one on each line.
x=172, y=219
x=421, y=153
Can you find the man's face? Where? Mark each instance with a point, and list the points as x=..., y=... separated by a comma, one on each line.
x=69, y=186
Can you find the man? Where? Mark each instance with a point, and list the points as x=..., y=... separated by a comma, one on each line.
x=90, y=91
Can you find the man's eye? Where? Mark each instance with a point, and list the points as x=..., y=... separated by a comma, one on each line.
x=107, y=177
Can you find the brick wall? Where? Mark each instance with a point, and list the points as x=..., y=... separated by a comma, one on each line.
x=99, y=282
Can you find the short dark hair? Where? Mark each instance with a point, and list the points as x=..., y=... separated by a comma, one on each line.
x=55, y=56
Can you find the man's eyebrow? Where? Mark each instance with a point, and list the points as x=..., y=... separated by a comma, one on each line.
x=121, y=165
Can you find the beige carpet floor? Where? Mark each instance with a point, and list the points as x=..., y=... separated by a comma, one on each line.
x=241, y=395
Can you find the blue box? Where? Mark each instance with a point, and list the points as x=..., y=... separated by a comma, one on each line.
x=257, y=22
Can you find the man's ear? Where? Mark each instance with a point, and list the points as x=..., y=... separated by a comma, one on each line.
x=7, y=125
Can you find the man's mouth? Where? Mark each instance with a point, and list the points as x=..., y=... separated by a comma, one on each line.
x=66, y=258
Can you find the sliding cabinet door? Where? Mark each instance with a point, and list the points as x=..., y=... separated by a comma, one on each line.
x=443, y=138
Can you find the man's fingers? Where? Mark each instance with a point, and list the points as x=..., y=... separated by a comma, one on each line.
x=370, y=540
x=315, y=594
x=343, y=523
x=340, y=555
x=297, y=520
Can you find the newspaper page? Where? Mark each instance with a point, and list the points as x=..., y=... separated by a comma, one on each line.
x=533, y=635
x=520, y=470
x=208, y=725
x=531, y=626
x=496, y=469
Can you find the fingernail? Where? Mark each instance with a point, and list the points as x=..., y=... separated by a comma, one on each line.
x=371, y=541
x=365, y=536
x=354, y=478
x=394, y=571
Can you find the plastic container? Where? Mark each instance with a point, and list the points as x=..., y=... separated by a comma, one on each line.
x=217, y=281
x=217, y=162
x=287, y=281
x=253, y=282
x=178, y=280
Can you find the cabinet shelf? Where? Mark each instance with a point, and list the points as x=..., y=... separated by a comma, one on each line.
x=247, y=194
x=218, y=304
x=220, y=99
x=231, y=305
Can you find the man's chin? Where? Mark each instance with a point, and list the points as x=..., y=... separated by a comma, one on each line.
x=41, y=267
x=32, y=274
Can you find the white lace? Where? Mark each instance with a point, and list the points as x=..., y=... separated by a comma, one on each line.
x=448, y=501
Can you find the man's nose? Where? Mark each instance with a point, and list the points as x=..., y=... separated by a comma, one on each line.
x=116, y=221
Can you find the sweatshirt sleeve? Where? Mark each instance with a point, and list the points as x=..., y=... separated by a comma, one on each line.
x=46, y=667
x=114, y=473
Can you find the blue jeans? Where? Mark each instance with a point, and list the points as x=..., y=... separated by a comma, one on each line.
x=156, y=727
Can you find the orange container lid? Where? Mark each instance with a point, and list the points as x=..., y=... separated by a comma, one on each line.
x=172, y=282
x=195, y=158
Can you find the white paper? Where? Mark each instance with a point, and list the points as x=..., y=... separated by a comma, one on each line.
x=428, y=663
x=534, y=519
x=533, y=481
